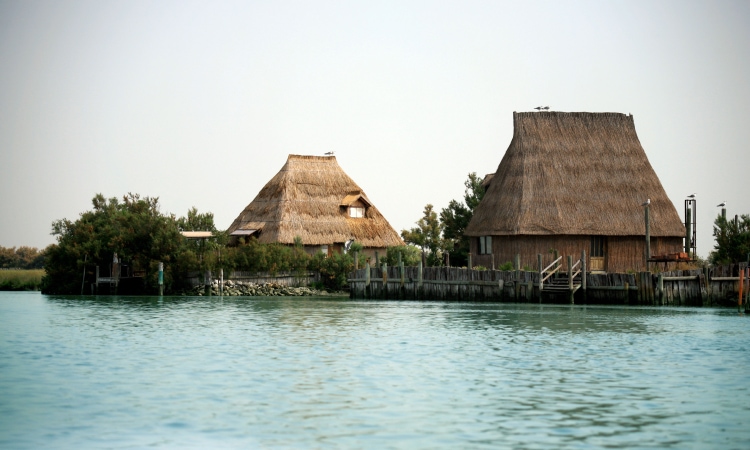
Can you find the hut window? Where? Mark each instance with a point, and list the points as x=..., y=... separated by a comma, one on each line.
x=485, y=245
x=324, y=249
x=357, y=211
x=597, y=246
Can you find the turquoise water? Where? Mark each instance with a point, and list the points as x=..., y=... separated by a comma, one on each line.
x=190, y=372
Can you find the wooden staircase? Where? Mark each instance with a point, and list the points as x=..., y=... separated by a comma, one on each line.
x=556, y=284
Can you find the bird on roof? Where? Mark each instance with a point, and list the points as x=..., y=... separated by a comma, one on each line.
x=542, y=108
x=722, y=204
x=647, y=202
x=691, y=196
x=329, y=153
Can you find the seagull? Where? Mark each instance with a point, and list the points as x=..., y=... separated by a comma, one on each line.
x=329, y=153
x=647, y=202
x=722, y=204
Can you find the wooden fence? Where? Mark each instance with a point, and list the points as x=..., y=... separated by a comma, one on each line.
x=702, y=287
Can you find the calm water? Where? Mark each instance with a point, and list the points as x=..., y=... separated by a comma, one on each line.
x=124, y=372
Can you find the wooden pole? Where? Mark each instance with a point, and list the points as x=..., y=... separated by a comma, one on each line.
x=517, y=284
x=385, y=281
x=660, y=288
x=83, y=280
x=648, y=235
x=541, y=274
x=688, y=230
x=570, y=278
x=207, y=282
x=368, y=288
x=742, y=282
x=584, y=281
x=419, y=279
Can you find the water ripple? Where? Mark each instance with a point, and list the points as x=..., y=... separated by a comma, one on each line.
x=119, y=372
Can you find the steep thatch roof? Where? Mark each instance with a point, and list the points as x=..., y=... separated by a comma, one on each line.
x=574, y=174
x=309, y=198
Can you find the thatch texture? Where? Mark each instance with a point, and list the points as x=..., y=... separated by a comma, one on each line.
x=309, y=198
x=574, y=174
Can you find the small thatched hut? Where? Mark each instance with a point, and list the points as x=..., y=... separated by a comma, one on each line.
x=571, y=182
x=312, y=198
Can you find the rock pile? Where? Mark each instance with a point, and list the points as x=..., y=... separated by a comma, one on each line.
x=237, y=288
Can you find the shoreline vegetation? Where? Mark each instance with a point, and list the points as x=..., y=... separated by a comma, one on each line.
x=21, y=279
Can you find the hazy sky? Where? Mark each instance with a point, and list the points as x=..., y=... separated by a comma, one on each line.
x=199, y=103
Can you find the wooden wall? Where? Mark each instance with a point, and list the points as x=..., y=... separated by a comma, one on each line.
x=623, y=254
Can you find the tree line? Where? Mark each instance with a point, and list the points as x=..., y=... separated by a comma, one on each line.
x=140, y=236
x=21, y=258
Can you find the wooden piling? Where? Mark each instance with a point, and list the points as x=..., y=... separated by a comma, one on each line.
x=517, y=284
x=540, y=264
x=583, y=275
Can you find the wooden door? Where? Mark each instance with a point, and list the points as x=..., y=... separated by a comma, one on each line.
x=597, y=260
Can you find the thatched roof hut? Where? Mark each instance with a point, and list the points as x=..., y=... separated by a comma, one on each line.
x=576, y=174
x=311, y=197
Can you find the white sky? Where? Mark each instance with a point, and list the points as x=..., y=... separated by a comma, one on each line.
x=199, y=103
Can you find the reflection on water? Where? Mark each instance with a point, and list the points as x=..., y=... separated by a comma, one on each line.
x=126, y=372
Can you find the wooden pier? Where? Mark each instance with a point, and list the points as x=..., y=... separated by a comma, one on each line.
x=700, y=287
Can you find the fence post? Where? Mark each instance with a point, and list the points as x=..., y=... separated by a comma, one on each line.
x=207, y=283
x=517, y=284
x=419, y=280
x=385, y=281
x=368, y=288
x=660, y=288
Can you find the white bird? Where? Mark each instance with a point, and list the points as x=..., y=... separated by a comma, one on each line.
x=647, y=202
x=722, y=204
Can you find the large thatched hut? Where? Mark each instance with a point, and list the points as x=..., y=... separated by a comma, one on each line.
x=312, y=198
x=571, y=182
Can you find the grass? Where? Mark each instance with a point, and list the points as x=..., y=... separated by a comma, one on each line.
x=21, y=280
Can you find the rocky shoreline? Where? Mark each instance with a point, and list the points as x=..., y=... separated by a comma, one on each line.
x=238, y=288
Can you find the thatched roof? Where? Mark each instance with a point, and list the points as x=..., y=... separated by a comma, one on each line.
x=309, y=198
x=574, y=174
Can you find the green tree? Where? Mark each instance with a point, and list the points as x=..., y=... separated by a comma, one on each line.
x=410, y=255
x=133, y=228
x=426, y=236
x=456, y=217
x=732, y=240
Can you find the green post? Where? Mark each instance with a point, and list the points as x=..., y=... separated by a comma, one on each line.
x=161, y=279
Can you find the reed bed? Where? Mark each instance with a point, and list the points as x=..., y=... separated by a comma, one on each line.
x=21, y=279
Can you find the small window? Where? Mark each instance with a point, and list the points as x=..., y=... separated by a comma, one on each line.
x=357, y=212
x=597, y=246
x=324, y=250
x=485, y=245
